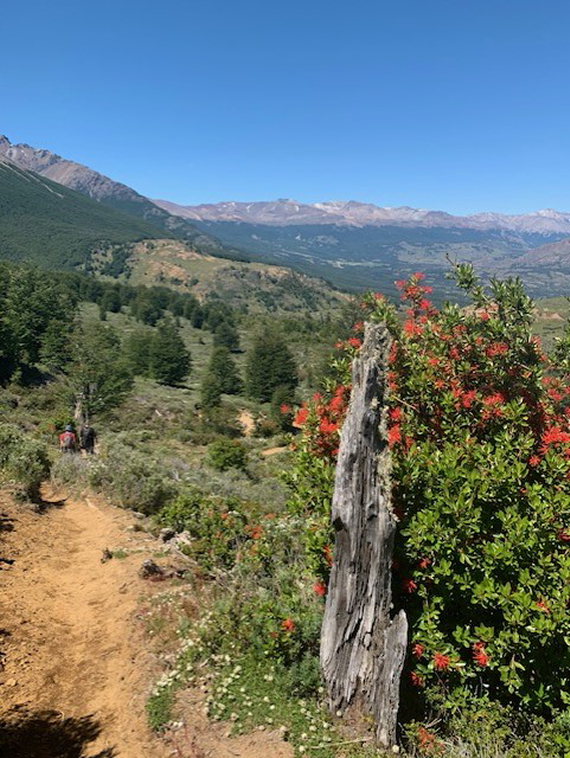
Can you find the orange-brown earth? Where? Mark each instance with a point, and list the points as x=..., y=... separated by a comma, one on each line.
x=76, y=669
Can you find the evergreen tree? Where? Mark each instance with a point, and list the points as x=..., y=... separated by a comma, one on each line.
x=223, y=367
x=137, y=348
x=270, y=365
x=170, y=361
x=211, y=391
x=98, y=376
x=226, y=335
x=111, y=300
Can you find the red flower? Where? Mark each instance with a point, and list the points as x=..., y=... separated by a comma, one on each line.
x=288, y=625
x=285, y=408
x=534, y=460
x=337, y=404
x=416, y=679
x=441, y=661
x=358, y=327
x=320, y=589
x=468, y=398
x=554, y=436
x=396, y=414
x=418, y=650
x=355, y=342
x=301, y=417
x=426, y=740
x=256, y=532
x=408, y=585
x=543, y=606
x=496, y=399
x=563, y=535
x=434, y=361
x=394, y=435
x=413, y=329
x=379, y=296
x=328, y=427
x=480, y=656
x=497, y=348
x=424, y=563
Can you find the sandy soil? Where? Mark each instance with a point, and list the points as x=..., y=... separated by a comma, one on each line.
x=247, y=420
x=73, y=651
x=75, y=669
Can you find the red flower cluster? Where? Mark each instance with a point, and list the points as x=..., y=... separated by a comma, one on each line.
x=320, y=589
x=480, y=656
x=441, y=661
x=288, y=625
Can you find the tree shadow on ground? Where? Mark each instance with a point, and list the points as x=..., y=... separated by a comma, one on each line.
x=43, y=506
x=6, y=523
x=48, y=734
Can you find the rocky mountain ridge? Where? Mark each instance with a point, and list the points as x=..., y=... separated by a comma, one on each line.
x=286, y=212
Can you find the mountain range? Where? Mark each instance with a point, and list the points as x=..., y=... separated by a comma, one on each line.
x=356, y=214
x=353, y=245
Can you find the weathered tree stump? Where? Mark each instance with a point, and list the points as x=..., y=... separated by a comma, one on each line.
x=362, y=644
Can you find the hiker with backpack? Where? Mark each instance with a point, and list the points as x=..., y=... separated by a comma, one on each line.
x=88, y=436
x=68, y=440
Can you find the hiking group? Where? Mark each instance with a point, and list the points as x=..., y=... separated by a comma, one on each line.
x=70, y=443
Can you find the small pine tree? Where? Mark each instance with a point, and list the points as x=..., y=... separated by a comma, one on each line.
x=226, y=335
x=223, y=367
x=170, y=361
x=137, y=349
x=270, y=365
x=211, y=391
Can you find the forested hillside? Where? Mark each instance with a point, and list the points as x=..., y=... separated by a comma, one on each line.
x=44, y=222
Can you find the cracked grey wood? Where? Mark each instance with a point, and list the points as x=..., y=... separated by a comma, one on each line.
x=362, y=646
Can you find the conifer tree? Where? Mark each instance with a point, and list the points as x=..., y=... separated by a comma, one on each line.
x=170, y=361
x=270, y=365
x=211, y=391
x=223, y=367
x=226, y=335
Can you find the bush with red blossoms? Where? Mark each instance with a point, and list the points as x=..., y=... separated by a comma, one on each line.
x=479, y=427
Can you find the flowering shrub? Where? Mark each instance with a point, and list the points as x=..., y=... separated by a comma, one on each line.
x=479, y=431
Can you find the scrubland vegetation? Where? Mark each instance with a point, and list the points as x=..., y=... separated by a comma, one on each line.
x=479, y=438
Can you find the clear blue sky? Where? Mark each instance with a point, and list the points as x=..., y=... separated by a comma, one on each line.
x=462, y=105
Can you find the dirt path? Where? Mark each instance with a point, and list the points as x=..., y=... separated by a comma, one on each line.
x=75, y=656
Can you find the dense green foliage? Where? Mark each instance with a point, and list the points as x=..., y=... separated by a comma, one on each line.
x=227, y=453
x=478, y=423
x=56, y=227
x=24, y=462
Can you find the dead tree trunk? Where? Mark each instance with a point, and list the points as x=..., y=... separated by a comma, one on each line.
x=362, y=645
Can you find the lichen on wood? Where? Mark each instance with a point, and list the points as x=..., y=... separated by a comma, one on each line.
x=363, y=643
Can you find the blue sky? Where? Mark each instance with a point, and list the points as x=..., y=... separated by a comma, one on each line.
x=463, y=106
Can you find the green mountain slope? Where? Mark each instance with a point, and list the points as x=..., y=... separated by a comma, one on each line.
x=47, y=223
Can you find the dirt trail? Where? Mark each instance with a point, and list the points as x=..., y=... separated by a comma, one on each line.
x=69, y=634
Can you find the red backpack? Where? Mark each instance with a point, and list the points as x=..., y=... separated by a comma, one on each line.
x=67, y=440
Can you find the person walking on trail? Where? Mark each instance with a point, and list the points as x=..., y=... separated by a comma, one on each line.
x=88, y=437
x=68, y=440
